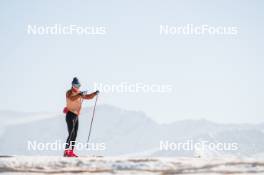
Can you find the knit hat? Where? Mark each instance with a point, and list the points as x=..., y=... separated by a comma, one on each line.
x=76, y=82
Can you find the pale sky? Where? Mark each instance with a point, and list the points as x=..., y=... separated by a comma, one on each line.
x=219, y=78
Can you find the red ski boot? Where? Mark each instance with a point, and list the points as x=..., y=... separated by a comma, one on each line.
x=72, y=154
x=67, y=153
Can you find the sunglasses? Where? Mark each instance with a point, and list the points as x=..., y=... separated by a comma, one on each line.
x=77, y=85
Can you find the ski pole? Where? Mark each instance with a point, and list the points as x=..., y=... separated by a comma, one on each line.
x=91, y=124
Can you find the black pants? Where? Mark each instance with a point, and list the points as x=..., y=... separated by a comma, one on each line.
x=72, y=125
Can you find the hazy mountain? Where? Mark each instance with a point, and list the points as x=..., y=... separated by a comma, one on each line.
x=123, y=132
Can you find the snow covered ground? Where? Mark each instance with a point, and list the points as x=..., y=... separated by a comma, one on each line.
x=129, y=165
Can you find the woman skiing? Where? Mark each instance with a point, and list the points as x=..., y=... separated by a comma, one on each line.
x=74, y=99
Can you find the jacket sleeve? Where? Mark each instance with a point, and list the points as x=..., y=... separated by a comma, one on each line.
x=72, y=97
x=89, y=96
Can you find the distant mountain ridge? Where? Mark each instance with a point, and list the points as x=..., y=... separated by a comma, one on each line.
x=125, y=132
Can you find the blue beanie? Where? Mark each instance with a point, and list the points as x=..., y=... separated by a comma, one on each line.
x=76, y=81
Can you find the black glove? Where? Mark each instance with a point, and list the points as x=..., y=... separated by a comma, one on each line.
x=97, y=92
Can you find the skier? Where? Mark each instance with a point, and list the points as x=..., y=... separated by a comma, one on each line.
x=74, y=99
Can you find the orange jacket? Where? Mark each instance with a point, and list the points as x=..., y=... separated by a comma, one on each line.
x=74, y=101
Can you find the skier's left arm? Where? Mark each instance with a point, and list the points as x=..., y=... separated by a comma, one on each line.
x=90, y=96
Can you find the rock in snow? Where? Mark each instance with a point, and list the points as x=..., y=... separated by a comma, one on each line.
x=129, y=165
